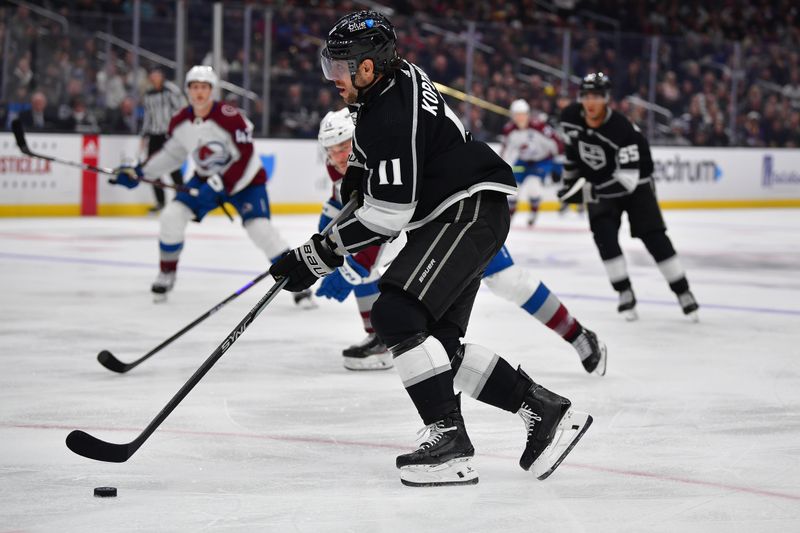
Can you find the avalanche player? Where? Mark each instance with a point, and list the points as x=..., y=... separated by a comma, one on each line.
x=219, y=139
x=504, y=278
x=530, y=147
x=357, y=274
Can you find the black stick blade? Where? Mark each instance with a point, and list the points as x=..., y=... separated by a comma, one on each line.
x=19, y=135
x=108, y=360
x=84, y=444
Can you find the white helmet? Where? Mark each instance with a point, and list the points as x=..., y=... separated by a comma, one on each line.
x=335, y=128
x=520, y=106
x=202, y=73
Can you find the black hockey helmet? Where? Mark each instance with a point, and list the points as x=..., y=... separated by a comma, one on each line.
x=597, y=83
x=358, y=36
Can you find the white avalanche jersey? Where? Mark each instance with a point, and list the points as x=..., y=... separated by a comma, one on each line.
x=536, y=142
x=221, y=143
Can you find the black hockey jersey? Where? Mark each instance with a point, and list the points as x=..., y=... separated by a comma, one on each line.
x=415, y=159
x=615, y=157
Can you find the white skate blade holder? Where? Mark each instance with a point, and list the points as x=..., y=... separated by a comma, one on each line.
x=693, y=316
x=601, y=365
x=569, y=431
x=453, y=472
x=630, y=315
x=159, y=297
x=378, y=361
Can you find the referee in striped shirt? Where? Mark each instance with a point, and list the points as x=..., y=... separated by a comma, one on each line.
x=161, y=102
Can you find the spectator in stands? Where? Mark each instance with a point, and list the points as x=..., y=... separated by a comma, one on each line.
x=792, y=89
x=752, y=134
x=111, y=86
x=22, y=76
x=678, y=130
x=696, y=61
x=718, y=136
x=298, y=120
x=40, y=117
x=122, y=119
x=81, y=119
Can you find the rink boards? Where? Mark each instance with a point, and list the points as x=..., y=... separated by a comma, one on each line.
x=298, y=183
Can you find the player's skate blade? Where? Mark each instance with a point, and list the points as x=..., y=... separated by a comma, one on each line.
x=378, y=361
x=304, y=300
x=369, y=354
x=159, y=297
x=689, y=306
x=453, y=472
x=630, y=315
x=593, y=352
x=162, y=285
x=627, y=305
x=600, y=369
x=569, y=431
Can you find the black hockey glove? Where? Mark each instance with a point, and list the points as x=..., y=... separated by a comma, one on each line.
x=304, y=265
x=577, y=191
x=556, y=174
x=352, y=183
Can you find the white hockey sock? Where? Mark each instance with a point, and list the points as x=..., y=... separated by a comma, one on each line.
x=422, y=362
x=671, y=269
x=172, y=229
x=475, y=369
x=616, y=269
x=266, y=237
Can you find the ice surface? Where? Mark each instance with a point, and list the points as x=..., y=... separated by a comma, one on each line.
x=697, y=426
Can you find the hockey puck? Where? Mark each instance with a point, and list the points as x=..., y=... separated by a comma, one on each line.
x=105, y=492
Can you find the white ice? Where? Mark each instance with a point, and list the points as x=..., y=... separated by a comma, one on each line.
x=697, y=426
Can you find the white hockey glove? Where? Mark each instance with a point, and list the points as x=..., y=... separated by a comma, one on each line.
x=579, y=191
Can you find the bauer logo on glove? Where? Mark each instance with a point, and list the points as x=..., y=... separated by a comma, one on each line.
x=304, y=265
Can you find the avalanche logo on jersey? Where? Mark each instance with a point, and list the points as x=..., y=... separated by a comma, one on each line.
x=592, y=154
x=211, y=158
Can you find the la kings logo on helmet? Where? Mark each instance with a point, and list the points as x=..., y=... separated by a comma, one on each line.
x=592, y=154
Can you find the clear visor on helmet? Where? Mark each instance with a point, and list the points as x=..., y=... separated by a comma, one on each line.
x=333, y=69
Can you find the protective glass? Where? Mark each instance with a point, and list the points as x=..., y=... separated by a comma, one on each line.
x=333, y=69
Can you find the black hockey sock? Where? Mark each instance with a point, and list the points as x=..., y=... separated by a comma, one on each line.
x=489, y=378
x=679, y=286
x=622, y=285
x=434, y=397
x=505, y=387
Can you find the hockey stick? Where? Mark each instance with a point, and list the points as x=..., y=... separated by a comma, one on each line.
x=91, y=447
x=108, y=360
x=22, y=144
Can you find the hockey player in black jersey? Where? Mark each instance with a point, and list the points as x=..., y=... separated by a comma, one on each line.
x=415, y=168
x=609, y=167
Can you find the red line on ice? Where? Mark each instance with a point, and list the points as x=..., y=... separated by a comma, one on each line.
x=317, y=440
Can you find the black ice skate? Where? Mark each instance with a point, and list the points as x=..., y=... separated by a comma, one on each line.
x=304, y=299
x=553, y=430
x=627, y=305
x=444, y=458
x=369, y=354
x=592, y=352
x=689, y=305
x=162, y=285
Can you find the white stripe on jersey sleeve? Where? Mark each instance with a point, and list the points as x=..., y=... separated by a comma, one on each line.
x=628, y=178
x=385, y=218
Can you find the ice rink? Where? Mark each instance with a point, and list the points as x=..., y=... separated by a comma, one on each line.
x=697, y=426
